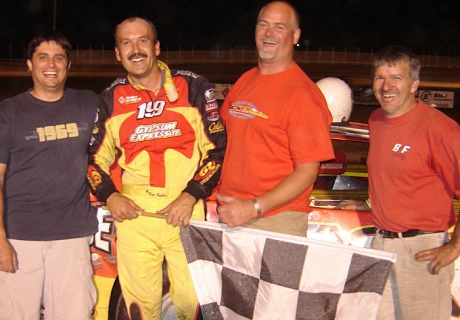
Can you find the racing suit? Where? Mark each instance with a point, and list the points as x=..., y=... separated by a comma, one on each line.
x=165, y=144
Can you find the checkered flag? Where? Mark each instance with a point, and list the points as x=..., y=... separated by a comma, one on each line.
x=245, y=273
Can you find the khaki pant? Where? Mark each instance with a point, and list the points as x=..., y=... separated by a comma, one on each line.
x=57, y=274
x=411, y=291
x=288, y=222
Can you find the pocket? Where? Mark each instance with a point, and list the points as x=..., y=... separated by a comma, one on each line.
x=84, y=274
x=425, y=242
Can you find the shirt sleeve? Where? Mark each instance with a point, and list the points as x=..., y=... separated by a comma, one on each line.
x=102, y=151
x=212, y=144
x=308, y=128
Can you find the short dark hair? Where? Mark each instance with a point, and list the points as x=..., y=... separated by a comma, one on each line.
x=132, y=18
x=49, y=36
x=393, y=54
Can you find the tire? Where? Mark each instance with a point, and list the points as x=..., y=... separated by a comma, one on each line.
x=117, y=305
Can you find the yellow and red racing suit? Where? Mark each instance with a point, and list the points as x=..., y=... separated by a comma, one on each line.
x=165, y=143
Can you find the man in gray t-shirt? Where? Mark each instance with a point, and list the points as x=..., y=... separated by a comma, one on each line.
x=46, y=219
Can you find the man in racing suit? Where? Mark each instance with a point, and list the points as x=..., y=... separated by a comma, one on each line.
x=163, y=129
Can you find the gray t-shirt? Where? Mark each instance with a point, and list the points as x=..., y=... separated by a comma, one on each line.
x=44, y=145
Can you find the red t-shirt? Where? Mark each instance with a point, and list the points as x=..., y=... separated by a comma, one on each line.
x=273, y=123
x=414, y=169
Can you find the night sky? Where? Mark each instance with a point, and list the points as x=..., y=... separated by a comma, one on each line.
x=430, y=27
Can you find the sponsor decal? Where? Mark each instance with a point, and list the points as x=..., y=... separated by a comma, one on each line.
x=209, y=95
x=187, y=73
x=213, y=116
x=245, y=110
x=94, y=177
x=129, y=99
x=207, y=172
x=211, y=106
x=216, y=127
x=155, y=131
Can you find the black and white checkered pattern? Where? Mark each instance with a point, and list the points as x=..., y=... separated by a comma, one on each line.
x=251, y=274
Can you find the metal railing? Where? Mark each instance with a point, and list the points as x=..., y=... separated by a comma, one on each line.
x=250, y=56
x=91, y=56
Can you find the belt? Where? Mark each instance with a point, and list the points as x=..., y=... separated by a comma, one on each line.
x=405, y=234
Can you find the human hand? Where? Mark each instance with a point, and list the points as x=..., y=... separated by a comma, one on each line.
x=353, y=205
x=179, y=212
x=234, y=211
x=122, y=208
x=439, y=257
x=8, y=258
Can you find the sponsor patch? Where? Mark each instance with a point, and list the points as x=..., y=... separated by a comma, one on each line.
x=155, y=131
x=117, y=81
x=211, y=106
x=216, y=127
x=187, y=73
x=209, y=95
x=213, y=116
x=207, y=172
x=94, y=177
x=129, y=99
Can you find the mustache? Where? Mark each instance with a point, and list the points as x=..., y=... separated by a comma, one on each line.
x=137, y=56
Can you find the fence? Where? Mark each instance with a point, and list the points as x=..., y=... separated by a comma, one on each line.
x=91, y=56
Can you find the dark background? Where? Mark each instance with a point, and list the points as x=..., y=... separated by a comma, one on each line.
x=430, y=27
x=427, y=27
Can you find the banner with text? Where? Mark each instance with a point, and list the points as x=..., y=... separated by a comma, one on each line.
x=221, y=90
x=437, y=99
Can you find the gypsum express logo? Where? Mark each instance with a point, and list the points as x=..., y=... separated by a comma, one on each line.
x=155, y=131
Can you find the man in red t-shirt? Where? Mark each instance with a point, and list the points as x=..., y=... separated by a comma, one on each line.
x=414, y=173
x=277, y=124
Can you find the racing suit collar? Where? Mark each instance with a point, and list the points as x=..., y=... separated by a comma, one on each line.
x=167, y=82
